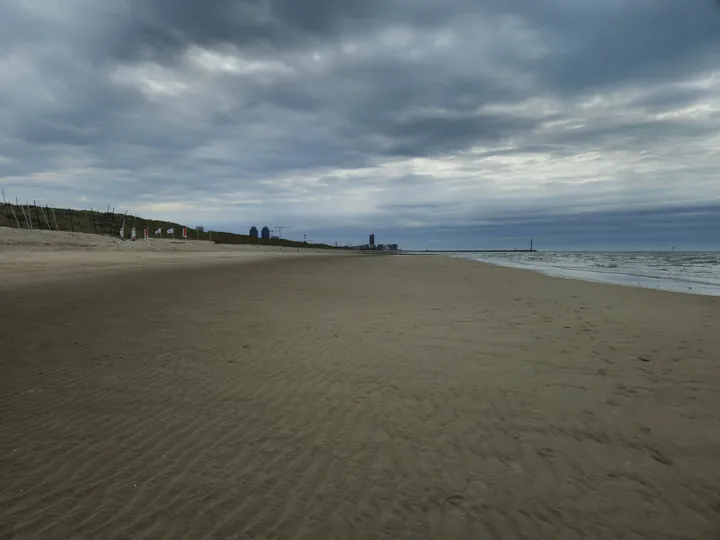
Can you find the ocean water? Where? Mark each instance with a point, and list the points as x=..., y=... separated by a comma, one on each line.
x=688, y=272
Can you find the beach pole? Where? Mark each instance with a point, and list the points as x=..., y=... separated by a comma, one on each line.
x=47, y=221
x=72, y=226
x=12, y=209
x=17, y=221
x=29, y=215
x=17, y=203
x=37, y=214
x=5, y=204
x=48, y=210
x=46, y=214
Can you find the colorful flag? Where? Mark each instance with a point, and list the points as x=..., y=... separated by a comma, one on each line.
x=158, y=231
x=132, y=234
x=146, y=233
x=170, y=231
x=185, y=232
x=122, y=232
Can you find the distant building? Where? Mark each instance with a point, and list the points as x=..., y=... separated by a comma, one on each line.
x=265, y=233
x=372, y=239
x=253, y=232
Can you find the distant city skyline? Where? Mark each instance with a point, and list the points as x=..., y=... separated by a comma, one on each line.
x=684, y=227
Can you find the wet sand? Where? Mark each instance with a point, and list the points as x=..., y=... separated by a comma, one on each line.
x=351, y=396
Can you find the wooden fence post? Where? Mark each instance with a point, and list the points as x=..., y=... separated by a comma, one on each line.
x=47, y=221
x=30, y=216
x=12, y=209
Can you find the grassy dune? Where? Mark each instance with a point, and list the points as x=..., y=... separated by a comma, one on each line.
x=109, y=223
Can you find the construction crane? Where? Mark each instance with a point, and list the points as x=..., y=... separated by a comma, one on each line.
x=279, y=230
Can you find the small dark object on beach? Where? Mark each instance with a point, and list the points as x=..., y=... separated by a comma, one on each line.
x=643, y=359
x=660, y=458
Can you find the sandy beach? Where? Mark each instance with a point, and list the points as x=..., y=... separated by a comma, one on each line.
x=41, y=256
x=230, y=394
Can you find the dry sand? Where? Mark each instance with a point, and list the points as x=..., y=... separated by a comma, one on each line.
x=41, y=255
x=305, y=397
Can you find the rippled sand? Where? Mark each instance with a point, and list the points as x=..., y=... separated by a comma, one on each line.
x=351, y=396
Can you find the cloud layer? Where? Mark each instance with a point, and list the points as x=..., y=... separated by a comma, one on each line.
x=401, y=115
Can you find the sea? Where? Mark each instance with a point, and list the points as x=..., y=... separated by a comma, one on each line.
x=686, y=272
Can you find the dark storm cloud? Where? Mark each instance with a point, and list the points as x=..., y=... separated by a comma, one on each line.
x=427, y=135
x=606, y=43
x=162, y=29
x=322, y=94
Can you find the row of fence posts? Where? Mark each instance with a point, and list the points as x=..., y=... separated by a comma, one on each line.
x=47, y=213
x=23, y=213
x=107, y=223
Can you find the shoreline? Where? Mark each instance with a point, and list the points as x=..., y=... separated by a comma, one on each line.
x=617, y=277
x=338, y=397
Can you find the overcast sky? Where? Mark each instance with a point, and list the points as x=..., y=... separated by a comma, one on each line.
x=458, y=123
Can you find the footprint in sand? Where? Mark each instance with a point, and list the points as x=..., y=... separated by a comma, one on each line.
x=455, y=500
